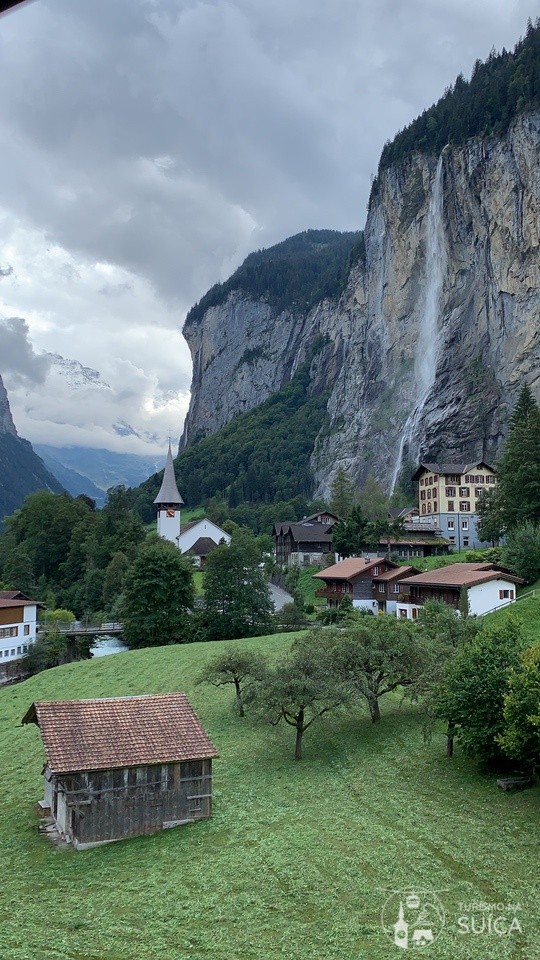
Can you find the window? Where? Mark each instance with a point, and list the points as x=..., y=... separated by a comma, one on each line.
x=375, y=571
x=422, y=494
x=429, y=508
x=453, y=478
x=464, y=524
x=8, y=632
x=13, y=652
x=506, y=594
x=381, y=588
x=451, y=506
x=450, y=491
x=464, y=491
x=477, y=491
x=490, y=479
x=451, y=525
x=452, y=539
x=465, y=506
x=402, y=613
x=27, y=629
x=19, y=649
x=435, y=507
x=423, y=508
x=414, y=612
x=429, y=494
x=395, y=588
x=465, y=541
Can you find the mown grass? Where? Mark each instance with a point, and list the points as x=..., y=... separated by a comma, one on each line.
x=297, y=859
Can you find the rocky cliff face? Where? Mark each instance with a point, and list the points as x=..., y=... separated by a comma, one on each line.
x=433, y=336
x=6, y=420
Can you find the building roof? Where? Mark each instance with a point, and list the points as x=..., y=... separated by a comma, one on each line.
x=351, y=567
x=414, y=541
x=320, y=513
x=19, y=603
x=13, y=595
x=450, y=468
x=397, y=513
x=305, y=532
x=396, y=574
x=119, y=732
x=168, y=492
x=461, y=575
x=203, y=546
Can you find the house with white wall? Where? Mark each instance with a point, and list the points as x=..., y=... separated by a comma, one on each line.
x=18, y=624
x=199, y=537
x=487, y=587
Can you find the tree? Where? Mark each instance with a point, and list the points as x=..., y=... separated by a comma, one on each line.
x=18, y=571
x=520, y=738
x=443, y=634
x=522, y=553
x=351, y=536
x=235, y=666
x=342, y=493
x=236, y=595
x=373, y=501
x=376, y=656
x=519, y=467
x=490, y=518
x=158, y=595
x=474, y=684
x=301, y=689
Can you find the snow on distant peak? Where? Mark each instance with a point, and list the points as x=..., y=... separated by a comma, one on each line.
x=75, y=374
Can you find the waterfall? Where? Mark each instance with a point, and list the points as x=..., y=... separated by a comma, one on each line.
x=428, y=343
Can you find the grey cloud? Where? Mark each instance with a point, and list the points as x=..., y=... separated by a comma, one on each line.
x=18, y=360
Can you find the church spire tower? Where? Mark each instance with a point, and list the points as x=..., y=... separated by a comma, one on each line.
x=168, y=502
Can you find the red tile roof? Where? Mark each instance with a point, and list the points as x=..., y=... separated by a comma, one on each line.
x=350, y=567
x=461, y=575
x=119, y=732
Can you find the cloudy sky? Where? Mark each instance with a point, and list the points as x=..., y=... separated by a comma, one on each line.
x=148, y=145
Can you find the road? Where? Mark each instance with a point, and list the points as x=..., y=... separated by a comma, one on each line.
x=279, y=597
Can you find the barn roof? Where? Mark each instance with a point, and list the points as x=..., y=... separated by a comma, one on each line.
x=119, y=732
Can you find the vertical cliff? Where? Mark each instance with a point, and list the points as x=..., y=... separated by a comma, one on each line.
x=434, y=332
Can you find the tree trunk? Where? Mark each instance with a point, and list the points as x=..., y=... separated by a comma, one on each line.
x=299, y=735
x=450, y=738
x=374, y=709
x=239, y=704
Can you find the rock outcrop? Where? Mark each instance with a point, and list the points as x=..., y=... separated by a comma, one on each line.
x=433, y=335
x=6, y=420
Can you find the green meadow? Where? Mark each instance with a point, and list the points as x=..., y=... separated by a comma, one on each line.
x=297, y=860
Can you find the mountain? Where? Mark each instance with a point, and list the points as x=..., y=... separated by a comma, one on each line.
x=84, y=469
x=21, y=470
x=429, y=335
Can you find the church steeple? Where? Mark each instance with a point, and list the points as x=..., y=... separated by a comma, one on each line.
x=168, y=502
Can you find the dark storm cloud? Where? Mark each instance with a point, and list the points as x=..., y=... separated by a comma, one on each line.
x=17, y=357
x=171, y=136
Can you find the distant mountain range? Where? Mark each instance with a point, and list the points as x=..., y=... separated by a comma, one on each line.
x=90, y=471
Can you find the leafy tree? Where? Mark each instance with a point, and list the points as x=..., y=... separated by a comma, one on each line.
x=239, y=667
x=158, y=595
x=342, y=493
x=301, y=689
x=519, y=467
x=377, y=655
x=522, y=553
x=18, y=571
x=443, y=634
x=113, y=580
x=473, y=688
x=520, y=738
x=236, y=596
x=356, y=533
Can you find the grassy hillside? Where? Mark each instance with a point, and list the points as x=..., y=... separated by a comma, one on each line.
x=297, y=859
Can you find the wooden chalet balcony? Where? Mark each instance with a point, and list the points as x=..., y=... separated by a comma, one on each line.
x=330, y=593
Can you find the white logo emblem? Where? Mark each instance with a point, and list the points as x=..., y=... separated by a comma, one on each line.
x=412, y=919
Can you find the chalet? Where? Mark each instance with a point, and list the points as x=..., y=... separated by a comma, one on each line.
x=123, y=766
x=386, y=587
x=302, y=543
x=488, y=586
x=353, y=578
x=199, y=537
x=415, y=543
x=449, y=493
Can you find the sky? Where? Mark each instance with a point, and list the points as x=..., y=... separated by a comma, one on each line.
x=147, y=146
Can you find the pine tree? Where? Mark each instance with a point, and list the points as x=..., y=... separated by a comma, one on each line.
x=519, y=468
x=341, y=494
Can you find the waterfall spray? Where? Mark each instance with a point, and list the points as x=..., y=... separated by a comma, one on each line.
x=428, y=342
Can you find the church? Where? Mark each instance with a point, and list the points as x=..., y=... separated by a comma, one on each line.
x=197, y=537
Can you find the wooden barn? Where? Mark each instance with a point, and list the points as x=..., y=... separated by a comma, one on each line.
x=123, y=766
